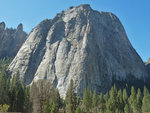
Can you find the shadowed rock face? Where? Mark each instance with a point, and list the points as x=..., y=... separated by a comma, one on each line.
x=148, y=66
x=11, y=40
x=82, y=44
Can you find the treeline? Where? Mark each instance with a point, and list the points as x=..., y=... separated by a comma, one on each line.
x=43, y=97
x=14, y=95
x=4, y=62
x=47, y=100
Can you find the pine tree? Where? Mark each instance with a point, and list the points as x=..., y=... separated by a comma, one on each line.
x=117, y=111
x=106, y=97
x=125, y=100
x=4, y=86
x=126, y=109
x=78, y=110
x=146, y=101
x=102, y=111
x=102, y=103
x=139, y=101
x=54, y=109
x=27, y=102
x=120, y=102
x=112, y=102
x=132, y=100
x=71, y=100
x=17, y=94
x=56, y=100
x=146, y=104
x=95, y=102
x=108, y=111
x=46, y=108
x=87, y=100
x=20, y=98
x=146, y=92
x=125, y=96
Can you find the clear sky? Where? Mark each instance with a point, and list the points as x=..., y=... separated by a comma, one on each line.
x=134, y=15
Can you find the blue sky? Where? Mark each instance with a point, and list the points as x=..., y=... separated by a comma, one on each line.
x=134, y=15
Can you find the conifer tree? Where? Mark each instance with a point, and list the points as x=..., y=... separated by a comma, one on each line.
x=139, y=101
x=27, y=103
x=126, y=108
x=112, y=102
x=146, y=101
x=125, y=96
x=120, y=102
x=132, y=100
x=17, y=94
x=20, y=98
x=46, y=108
x=78, y=110
x=3, y=87
x=146, y=92
x=56, y=100
x=54, y=109
x=71, y=100
x=87, y=100
x=117, y=111
x=106, y=97
x=108, y=111
x=102, y=103
x=95, y=102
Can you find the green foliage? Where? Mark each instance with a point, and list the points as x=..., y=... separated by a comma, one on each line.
x=87, y=100
x=102, y=106
x=139, y=101
x=4, y=87
x=46, y=107
x=126, y=109
x=112, y=102
x=71, y=100
x=146, y=92
x=4, y=62
x=120, y=101
x=125, y=96
x=52, y=104
x=132, y=100
x=78, y=110
x=18, y=94
x=95, y=102
x=13, y=92
x=146, y=101
x=16, y=97
x=54, y=108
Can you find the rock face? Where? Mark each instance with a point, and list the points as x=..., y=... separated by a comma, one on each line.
x=148, y=66
x=11, y=40
x=82, y=44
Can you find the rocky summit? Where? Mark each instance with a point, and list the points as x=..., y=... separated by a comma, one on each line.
x=87, y=46
x=11, y=40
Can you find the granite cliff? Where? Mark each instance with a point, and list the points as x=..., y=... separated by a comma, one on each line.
x=11, y=40
x=148, y=66
x=82, y=44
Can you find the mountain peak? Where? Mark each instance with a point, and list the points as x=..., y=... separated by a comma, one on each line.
x=2, y=25
x=148, y=62
x=85, y=6
x=12, y=38
x=20, y=27
x=87, y=46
